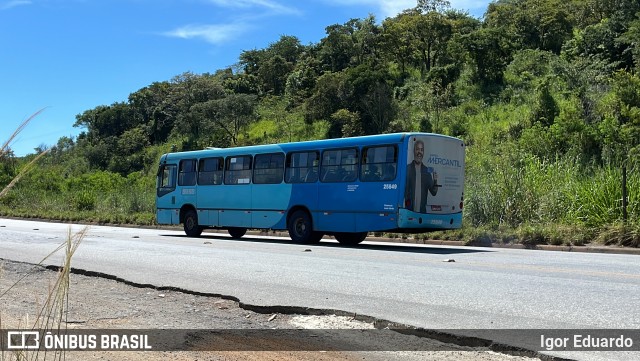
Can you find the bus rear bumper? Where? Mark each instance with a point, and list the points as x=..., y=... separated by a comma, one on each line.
x=428, y=221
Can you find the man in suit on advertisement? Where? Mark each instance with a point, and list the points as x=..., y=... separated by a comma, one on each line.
x=420, y=181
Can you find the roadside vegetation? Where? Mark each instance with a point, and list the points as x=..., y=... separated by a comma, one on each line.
x=546, y=94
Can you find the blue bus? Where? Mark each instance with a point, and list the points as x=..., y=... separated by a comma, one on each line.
x=403, y=182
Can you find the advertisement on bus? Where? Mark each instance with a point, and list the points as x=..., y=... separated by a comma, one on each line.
x=434, y=175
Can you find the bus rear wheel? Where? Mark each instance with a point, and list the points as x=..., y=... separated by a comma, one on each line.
x=350, y=238
x=191, y=227
x=237, y=232
x=301, y=229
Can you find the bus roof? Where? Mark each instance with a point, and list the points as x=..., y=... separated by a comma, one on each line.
x=300, y=146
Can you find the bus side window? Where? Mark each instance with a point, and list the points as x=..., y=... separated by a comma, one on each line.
x=187, y=173
x=339, y=165
x=210, y=171
x=379, y=163
x=268, y=168
x=238, y=170
x=302, y=167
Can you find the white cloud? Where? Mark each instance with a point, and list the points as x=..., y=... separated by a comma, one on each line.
x=214, y=34
x=5, y=5
x=221, y=33
x=391, y=8
x=274, y=6
x=385, y=8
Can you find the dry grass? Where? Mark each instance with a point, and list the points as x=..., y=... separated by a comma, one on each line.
x=625, y=235
x=52, y=314
x=5, y=150
x=23, y=171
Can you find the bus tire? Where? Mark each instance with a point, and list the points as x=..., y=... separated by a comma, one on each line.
x=237, y=232
x=301, y=228
x=191, y=227
x=348, y=238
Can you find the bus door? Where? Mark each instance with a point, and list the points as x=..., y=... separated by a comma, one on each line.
x=210, y=190
x=187, y=184
x=338, y=191
x=235, y=204
x=379, y=189
x=166, y=210
x=301, y=173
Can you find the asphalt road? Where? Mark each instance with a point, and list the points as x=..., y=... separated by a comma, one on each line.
x=415, y=285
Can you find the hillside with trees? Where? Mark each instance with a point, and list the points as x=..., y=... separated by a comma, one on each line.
x=545, y=93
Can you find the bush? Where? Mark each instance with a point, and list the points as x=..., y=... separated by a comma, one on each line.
x=85, y=201
x=621, y=235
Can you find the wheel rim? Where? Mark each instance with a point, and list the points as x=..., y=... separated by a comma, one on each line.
x=190, y=223
x=300, y=227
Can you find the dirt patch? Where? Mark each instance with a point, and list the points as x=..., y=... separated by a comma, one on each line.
x=99, y=303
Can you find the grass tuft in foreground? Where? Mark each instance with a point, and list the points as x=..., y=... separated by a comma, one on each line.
x=52, y=314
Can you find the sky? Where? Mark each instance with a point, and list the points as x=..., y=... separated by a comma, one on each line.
x=69, y=56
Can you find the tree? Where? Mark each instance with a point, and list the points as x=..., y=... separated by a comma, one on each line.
x=106, y=121
x=337, y=48
x=491, y=50
x=366, y=39
x=397, y=40
x=129, y=156
x=427, y=6
x=224, y=117
x=534, y=24
x=301, y=81
x=432, y=99
x=187, y=93
x=270, y=67
x=371, y=97
x=151, y=107
x=598, y=43
x=288, y=47
x=332, y=92
x=432, y=31
x=348, y=122
x=630, y=40
x=524, y=72
x=621, y=124
x=591, y=12
x=273, y=75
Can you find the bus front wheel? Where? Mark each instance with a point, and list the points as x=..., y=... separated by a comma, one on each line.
x=191, y=227
x=301, y=229
x=350, y=238
x=237, y=232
